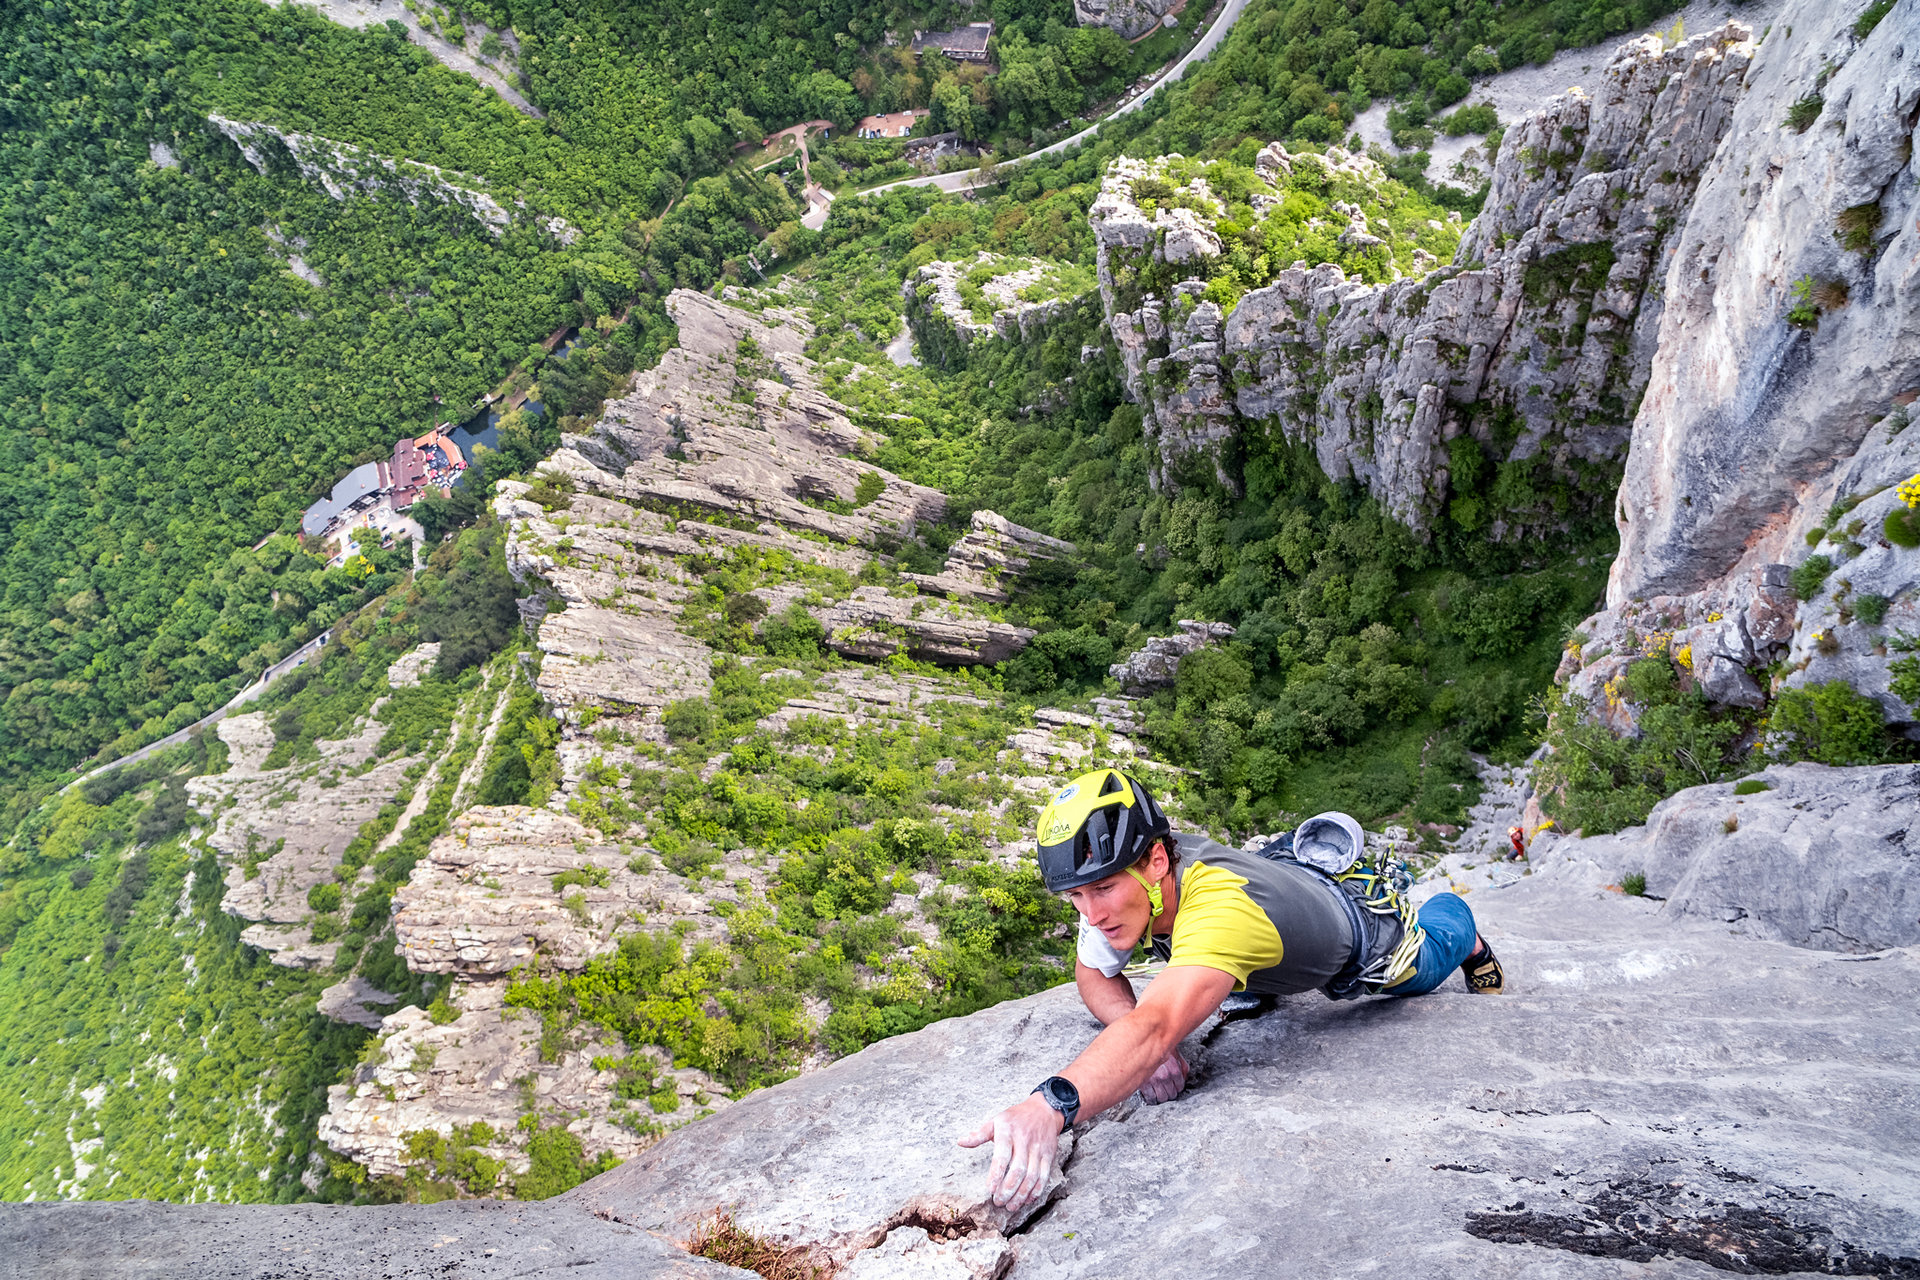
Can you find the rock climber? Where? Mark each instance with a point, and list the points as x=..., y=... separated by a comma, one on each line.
x=1302, y=914
x=1518, y=839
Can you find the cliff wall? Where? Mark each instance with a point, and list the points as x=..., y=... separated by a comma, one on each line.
x=1536, y=343
x=1774, y=426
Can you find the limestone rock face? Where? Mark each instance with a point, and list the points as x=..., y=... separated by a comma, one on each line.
x=1156, y=663
x=1544, y=323
x=289, y=826
x=992, y=549
x=1131, y=18
x=483, y=1067
x=484, y=902
x=1755, y=436
x=1653, y=1086
x=1822, y=858
x=1748, y=421
x=944, y=323
x=873, y=624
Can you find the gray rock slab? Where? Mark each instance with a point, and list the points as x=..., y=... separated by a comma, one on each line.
x=1651, y=1091
x=1823, y=858
x=466, y=1240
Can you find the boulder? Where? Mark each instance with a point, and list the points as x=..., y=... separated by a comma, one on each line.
x=1824, y=858
x=874, y=624
x=992, y=550
x=1156, y=663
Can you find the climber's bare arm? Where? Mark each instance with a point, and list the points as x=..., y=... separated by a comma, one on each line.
x=1108, y=999
x=1119, y=1060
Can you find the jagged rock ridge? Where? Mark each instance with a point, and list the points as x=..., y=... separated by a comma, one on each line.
x=1536, y=342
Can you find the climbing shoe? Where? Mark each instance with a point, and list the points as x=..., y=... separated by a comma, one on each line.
x=1482, y=970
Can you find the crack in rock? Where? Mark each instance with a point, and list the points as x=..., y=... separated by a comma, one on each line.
x=1640, y=1220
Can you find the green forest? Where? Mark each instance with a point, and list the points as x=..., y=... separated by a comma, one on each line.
x=173, y=394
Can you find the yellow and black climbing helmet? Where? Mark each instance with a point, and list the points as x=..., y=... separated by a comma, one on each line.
x=1096, y=826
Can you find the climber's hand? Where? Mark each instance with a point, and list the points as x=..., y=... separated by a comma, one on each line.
x=1167, y=1080
x=1024, y=1141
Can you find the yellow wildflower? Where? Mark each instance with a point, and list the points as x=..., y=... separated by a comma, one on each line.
x=1684, y=656
x=1910, y=493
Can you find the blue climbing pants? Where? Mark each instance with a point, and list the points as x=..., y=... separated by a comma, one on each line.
x=1450, y=930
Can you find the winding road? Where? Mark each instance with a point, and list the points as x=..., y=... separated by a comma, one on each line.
x=967, y=179
x=249, y=694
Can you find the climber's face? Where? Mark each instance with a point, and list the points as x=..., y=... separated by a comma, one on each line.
x=1118, y=906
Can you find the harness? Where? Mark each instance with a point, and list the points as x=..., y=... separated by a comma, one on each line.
x=1367, y=888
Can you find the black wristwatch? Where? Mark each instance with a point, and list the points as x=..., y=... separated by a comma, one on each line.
x=1059, y=1093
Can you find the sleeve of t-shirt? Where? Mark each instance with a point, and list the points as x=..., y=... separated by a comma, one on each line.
x=1220, y=927
x=1097, y=953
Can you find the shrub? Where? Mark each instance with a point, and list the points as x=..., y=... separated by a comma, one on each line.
x=1857, y=225
x=1450, y=90
x=793, y=633
x=1871, y=608
x=870, y=487
x=1901, y=527
x=589, y=876
x=1802, y=114
x=1805, y=312
x=1829, y=724
x=687, y=720
x=324, y=897
x=1811, y=576
x=1904, y=680
x=1864, y=24
x=558, y=1163
x=1634, y=884
x=1478, y=118
x=664, y=1102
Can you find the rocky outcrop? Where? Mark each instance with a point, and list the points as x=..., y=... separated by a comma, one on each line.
x=992, y=550
x=872, y=623
x=1014, y=300
x=1155, y=664
x=280, y=832
x=1131, y=18
x=1536, y=343
x=1768, y=438
x=511, y=884
x=342, y=169
x=1817, y=857
x=488, y=1066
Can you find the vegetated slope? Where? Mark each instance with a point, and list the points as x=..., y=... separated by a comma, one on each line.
x=148, y=1051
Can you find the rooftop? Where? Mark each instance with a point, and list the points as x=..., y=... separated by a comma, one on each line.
x=972, y=38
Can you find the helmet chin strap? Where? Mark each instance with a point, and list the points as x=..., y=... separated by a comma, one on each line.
x=1153, y=900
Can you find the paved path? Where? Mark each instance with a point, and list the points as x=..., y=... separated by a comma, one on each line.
x=249, y=694
x=967, y=179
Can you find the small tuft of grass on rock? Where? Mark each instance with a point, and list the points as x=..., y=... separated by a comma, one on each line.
x=1750, y=787
x=1634, y=884
x=721, y=1239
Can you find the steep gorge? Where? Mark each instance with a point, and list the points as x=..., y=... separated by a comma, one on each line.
x=1723, y=1081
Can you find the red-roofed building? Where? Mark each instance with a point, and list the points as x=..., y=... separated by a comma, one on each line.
x=409, y=472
